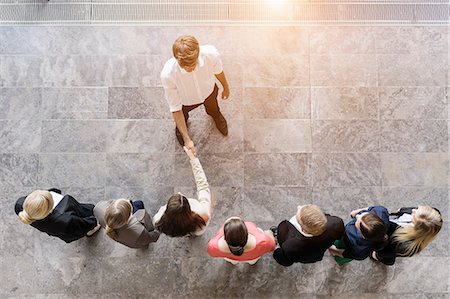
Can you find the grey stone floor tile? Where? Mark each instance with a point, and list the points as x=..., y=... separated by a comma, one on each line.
x=414, y=136
x=24, y=40
x=221, y=169
x=18, y=169
x=17, y=239
x=343, y=70
x=413, y=103
x=346, y=170
x=139, y=136
x=277, y=135
x=268, y=40
x=420, y=296
x=137, y=102
x=161, y=274
x=14, y=267
x=23, y=71
x=338, y=87
x=74, y=103
x=20, y=136
x=234, y=69
x=423, y=280
x=69, y=274
x=408, y=40
x=153, y=170
x=405, y=69
x=345, y=136
x=74, y=136
x=208, y=139
x=344, y=103
x=224, y=279
x=276, y=103
x=274, y=71
x=20, y=103
x=414, y=169
x=273, y=204
x=80, y=170
x=354, y=277
x=340, y=201
x=277, y=169
x=396, y=197
x=342, y=40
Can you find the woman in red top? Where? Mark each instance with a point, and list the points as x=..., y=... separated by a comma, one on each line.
x=239, y=241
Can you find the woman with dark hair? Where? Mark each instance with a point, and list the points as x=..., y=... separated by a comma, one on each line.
x=239, y=241
x=412, y=229
x=183, y=216
x=366, y=232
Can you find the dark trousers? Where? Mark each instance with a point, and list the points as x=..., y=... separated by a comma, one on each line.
x=211, y=105
x=137, y=205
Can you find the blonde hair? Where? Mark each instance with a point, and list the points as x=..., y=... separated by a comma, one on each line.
x=312, y=219
x=186, y=50
x=37, y=206
x=414, y=238
x=116, y=215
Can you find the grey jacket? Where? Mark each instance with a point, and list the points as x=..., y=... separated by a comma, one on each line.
x=138, y=233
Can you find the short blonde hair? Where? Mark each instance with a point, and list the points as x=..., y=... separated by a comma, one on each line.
x=312, y=219
x=186, y=50
x=116, y=215
x=37, y=206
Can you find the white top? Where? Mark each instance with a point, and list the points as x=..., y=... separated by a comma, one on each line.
x=403, y=220
x=183, y=88
x=200, y=206
x=56, y=198
x=295, y=223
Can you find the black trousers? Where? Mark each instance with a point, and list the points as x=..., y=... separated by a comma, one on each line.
x=211, y=105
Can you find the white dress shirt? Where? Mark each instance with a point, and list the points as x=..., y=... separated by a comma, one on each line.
x=183, y=88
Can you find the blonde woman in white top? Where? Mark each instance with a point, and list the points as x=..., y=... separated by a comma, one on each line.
x=183, y=216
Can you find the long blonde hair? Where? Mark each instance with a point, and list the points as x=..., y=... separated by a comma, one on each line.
x=116, y=215
x=37, y=206
x=414, y=238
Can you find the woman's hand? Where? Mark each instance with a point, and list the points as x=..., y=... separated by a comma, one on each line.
x=189, y=152
x=336, y=251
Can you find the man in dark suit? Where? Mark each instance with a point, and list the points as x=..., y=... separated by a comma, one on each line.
x=306, y=236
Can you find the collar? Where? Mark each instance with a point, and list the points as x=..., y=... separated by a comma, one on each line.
x=200, y=63
x=294, y=222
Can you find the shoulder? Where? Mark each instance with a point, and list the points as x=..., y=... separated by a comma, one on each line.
x=169, y=68
x=18, y=207
x=100, y=207
x=209, y=51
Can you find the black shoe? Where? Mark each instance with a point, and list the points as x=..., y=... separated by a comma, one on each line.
x=221, y=124
x=274, y=230
x=179, y=137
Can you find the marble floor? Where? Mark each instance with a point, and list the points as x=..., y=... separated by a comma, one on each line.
x=343, y=117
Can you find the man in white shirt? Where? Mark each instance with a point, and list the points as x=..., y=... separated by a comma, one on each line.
x=189, y=81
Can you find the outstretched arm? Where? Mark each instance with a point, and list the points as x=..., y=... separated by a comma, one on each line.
x=203, y=191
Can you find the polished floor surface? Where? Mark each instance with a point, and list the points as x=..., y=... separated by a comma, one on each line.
x=343, y=117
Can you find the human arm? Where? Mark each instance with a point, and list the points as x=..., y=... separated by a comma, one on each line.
x=203, y=191
x=223, y=80
x=356, y=212
x=180, y=122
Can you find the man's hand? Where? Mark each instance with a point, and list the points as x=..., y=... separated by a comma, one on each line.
x=189, y=146
x=225, y=93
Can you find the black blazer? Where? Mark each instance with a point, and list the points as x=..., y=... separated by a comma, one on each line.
x=69, y=221
x=296, y=248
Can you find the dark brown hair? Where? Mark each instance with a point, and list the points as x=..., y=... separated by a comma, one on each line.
x=236, y=235
x=178, y=219
x=374, y=230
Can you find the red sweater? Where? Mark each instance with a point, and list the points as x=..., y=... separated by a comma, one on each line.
x=264, y=244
